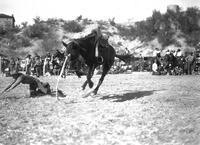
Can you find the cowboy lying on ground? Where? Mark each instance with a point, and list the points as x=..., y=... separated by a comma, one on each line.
x=35, y=85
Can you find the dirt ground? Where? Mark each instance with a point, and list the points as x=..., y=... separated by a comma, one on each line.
x=130, y=109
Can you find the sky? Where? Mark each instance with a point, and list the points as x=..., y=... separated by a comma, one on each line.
x=122, y=10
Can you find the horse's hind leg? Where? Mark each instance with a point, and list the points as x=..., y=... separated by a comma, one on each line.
x=84, y=85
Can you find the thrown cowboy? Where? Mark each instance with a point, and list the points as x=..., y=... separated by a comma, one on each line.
x=35, y=85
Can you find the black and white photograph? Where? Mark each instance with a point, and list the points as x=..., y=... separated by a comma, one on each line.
x=107, y=72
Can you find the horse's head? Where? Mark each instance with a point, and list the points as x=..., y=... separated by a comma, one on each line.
x=73, y=51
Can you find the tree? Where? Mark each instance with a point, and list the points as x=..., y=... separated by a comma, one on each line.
x=79, y=18
x=24, y=25
x=37, y=20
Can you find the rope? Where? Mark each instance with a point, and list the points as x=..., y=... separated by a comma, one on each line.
x=61, y=72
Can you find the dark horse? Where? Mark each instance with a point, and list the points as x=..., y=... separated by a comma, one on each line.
x=85, y=47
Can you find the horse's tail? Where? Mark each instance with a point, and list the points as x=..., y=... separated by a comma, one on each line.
x=125, y=58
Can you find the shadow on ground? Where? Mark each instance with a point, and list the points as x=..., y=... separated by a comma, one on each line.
x=127, y=96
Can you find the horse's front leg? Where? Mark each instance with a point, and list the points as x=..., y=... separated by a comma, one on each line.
x=105, y=71
x=89, y=76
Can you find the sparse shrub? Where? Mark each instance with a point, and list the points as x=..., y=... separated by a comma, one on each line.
x=79, y=18
x=53, y=22
x=86, y=21
x=37, y=30
x=126, y=31
x=65, y=37
x=193, y=39
x=72, y=26
x=102, y=23
x=25, y=42
x=119, y=43
x=165, y=26
x=50, y=44
x=112, y=21
x=19, y=41
x=24, y=25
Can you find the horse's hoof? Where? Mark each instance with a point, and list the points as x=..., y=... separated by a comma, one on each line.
x=94, y=92
x=87, y=94
x=91, y=84
x=83, y=88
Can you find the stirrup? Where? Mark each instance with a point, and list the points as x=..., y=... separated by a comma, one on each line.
x=100, y=59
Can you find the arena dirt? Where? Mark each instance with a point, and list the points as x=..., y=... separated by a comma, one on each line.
x=130, y=109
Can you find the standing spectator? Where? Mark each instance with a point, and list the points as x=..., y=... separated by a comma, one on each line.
x=17, y=65
x=141, y=63
x=157, y=56
x=51, y=64
x=155, y=68
x=179, y=53
x=174, y=52
x=48, y=56
x=12, y=65
x=28, y=64
x=127, y=51
x=3, y=66
x=189, y=61
x=46, y=66
x=33, y=66
x=156, y=52
x=57, y=66
x=37, y=66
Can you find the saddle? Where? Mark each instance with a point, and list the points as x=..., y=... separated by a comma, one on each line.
x=103, y=42
x=100, y=43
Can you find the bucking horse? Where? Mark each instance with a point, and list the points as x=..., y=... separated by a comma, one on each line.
x=85, y=48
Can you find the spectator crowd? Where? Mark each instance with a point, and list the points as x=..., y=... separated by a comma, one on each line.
x=32, y=65
x=173, y=62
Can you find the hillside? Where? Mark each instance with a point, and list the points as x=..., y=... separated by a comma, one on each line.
x=172, y=30
x=47, y=35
